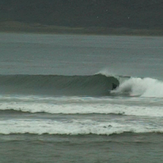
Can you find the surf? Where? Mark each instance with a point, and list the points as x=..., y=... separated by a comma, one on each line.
x=140, y=87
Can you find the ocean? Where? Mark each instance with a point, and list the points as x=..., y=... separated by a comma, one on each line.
x=81, y=98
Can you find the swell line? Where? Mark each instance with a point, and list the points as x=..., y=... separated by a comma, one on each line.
x=94, y=85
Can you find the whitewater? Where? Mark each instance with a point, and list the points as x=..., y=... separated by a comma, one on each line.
x=144, y=87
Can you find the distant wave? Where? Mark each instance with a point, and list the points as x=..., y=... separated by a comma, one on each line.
x=93, y=85
x=144, y=87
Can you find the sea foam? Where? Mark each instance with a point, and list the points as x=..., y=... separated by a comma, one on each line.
x=73, y=127
x=144, y=87
x=83, y=105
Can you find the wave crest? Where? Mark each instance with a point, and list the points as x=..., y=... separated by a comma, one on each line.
x=144, y=87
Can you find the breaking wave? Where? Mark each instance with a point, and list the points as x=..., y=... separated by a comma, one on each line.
x=93, y=85
x=89, y=85
x=143, y=87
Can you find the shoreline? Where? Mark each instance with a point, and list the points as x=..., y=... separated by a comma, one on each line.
x=17, y=27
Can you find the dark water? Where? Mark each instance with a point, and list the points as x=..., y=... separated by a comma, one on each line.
x=92, y=85
x=80, y=55
x=70, y=98
x=133, y=148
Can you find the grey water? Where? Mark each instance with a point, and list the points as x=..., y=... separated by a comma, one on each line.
x=74, y=54
x=119, y=127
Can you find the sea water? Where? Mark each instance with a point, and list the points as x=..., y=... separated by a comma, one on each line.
x=79, y=98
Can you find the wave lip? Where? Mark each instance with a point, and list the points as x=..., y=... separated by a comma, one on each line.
x=94, y=85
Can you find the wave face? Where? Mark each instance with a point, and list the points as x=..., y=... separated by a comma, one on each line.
x=94, y=85
x=143, y=87
x=90, y=85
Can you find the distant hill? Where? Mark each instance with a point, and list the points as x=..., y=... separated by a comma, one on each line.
x=132, y=14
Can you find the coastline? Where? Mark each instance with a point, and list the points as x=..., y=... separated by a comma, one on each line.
x=18, y=27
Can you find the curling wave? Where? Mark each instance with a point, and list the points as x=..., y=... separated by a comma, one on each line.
x=93, y=85
x=144, y=87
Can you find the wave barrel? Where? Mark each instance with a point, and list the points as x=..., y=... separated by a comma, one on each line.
x=91, y=85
